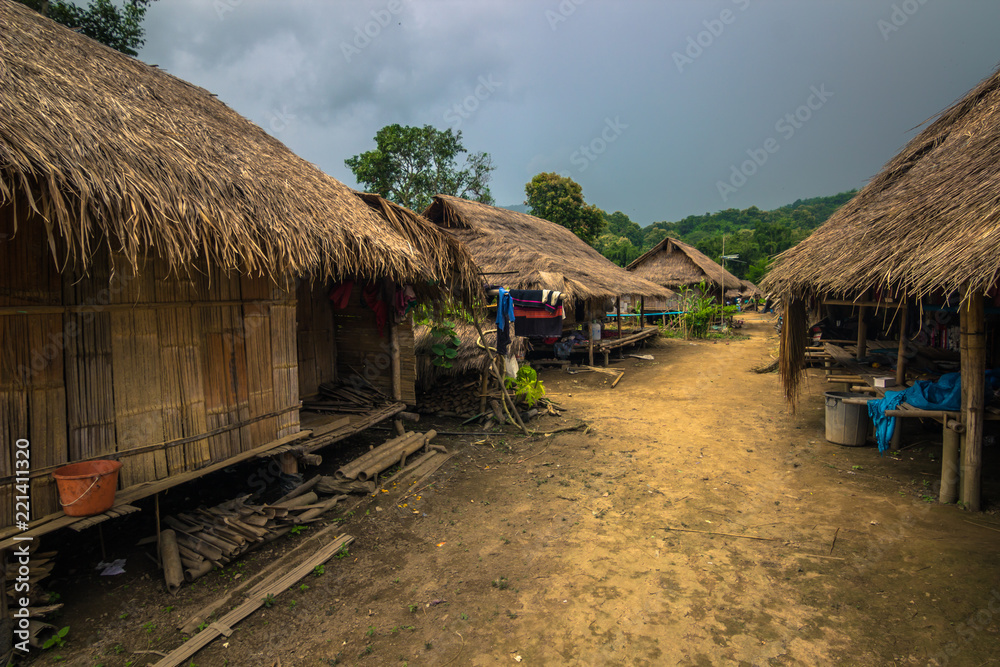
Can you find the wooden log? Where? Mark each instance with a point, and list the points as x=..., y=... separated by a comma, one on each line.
x=311, y=515
x=173, y=572
x=901, y=353
x=862, y=334
x=299, y=490
x=973, y=381
x=949, y=465
x=192, y=574
x=617, y=380
x=305, y=499
x=409, y=416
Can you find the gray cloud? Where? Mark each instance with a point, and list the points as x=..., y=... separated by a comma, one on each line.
x=323, y=77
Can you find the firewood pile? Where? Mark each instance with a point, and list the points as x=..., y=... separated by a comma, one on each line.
x=40, y=602
x=458, y=397
x=198, y=541
x=194, y=543
x=342, y=398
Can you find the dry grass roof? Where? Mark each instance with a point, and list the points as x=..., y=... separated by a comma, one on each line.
x=542, y=254
x=109, y=150
x=677, y=264
x=930, y=220
x=471, y=358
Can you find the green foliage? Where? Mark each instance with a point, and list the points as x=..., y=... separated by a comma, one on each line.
x=753, y=234
x=269, y=601
x=560, y=200
x=298, y=529
x=319, y=570
x=701, y=309
x=527, y=387
x=58, y=639
x=101, y=20
x=410, y=165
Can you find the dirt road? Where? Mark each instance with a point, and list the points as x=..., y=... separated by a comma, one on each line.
x=699, y=523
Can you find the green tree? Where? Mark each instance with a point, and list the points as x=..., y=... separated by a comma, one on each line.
x=616, y=248
x=412, y=164
x=560, y=200
x=101, y=20
x=620, y=224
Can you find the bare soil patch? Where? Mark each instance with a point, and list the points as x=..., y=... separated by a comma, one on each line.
x=699, y=522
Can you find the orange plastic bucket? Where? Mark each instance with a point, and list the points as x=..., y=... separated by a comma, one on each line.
x=88, y=487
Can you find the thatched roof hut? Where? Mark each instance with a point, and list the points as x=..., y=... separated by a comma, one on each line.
x=930, y=220
x=925, y=229
x=535, y=253
x=150, y=238
x=675, y=264
x=107, y=149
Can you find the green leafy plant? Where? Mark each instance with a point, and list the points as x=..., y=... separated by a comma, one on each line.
x=343, y=553
x=298, y=529
x=319, y=571
x=527, y=387
x=58, y=639
x=269, y=601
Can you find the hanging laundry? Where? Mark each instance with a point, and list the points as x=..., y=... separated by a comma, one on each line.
x=371, y=296
x=340, y=294
x=405, y=299
x=505, y=320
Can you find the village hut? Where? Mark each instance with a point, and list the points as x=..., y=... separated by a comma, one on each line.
x=165, y=277
x=680, y=266
x=921, y=239
x=521, y=251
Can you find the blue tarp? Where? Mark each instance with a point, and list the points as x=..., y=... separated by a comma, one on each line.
x=945, y=394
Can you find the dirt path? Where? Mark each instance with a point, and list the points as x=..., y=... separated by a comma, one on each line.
x=569, y=550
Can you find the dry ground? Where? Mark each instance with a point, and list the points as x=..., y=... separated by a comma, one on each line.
x=597, y=549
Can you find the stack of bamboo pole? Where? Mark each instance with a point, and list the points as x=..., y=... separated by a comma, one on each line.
x=196, y=542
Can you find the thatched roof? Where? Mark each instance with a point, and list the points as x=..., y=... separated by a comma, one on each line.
x=443, y=254
x=471, y=358
x=108, y=150
x=542, y=254
x=930, y=220
x=674, y=263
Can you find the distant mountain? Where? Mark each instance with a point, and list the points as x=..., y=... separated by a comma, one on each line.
x=517, y=208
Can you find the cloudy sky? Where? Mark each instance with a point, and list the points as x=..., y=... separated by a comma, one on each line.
x=660, y=109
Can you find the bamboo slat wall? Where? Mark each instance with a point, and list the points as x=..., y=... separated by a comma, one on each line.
x=317, y=347
x=365, y=352
x=116, y=360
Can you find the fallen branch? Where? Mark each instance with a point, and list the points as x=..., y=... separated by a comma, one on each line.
x=577, y=427
x=706, y=532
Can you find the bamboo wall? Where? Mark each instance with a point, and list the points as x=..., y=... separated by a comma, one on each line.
x=112, y=362
x=365, y=352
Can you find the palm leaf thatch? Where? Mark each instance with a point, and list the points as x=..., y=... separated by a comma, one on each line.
x=929, y=221
x=104, y=149
x=444, y=255
x=674, y=263
x=538, y=253
x=471, y=357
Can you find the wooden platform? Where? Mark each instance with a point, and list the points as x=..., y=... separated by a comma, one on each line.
x=633, y=338
x=305, y=440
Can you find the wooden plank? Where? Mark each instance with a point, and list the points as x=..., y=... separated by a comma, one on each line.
x=131, y=495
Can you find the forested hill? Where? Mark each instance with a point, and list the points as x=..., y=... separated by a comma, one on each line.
x=752, y=234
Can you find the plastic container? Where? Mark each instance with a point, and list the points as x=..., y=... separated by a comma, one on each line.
x=846, y=423
x=88, y=487
x=595, y=331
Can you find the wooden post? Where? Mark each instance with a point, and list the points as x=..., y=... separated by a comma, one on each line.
x=642, y=314
x=901, y=354
x=949, y=465
x=289, y=464
x=862, y=333
x=973, y=384
x=484, y=385
x=590, y=332
x=397, y=373
x=618, y=317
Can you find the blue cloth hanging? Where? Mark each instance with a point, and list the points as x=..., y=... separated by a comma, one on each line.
x=945, y=394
